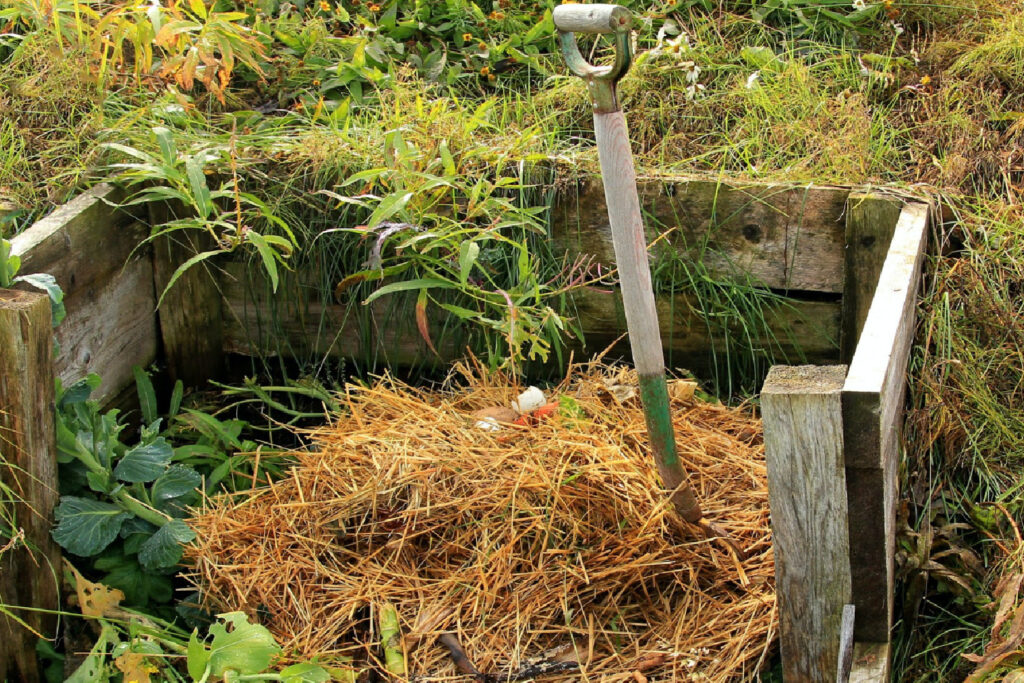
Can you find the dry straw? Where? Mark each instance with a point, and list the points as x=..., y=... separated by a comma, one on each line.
x=549, y=541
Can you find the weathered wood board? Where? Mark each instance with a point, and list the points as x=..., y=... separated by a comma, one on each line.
x=870, y=222
x=89, y=246
x=28, y=445
x=803, y=442
x=870, y=663
x=786, y=237
x=254, y=325
x=873, y=397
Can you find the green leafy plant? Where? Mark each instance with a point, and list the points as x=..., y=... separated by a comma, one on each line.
x=227, y=216
x=9, y=266
x=134, y=495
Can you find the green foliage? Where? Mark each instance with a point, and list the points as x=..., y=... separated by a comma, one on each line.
x=9, y=265
x=227, y=215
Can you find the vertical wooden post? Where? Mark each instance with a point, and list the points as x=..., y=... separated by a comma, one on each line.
x=190, y=320
x=870, y=222
x=29, y=572
x=803, y=439
x=872, y=421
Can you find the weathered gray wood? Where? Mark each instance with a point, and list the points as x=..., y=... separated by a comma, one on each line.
x=627, y=228
x=872, y=407
x=785, y=237
x=254, y=324
x=589, y=18
x=845, y=644
x=28, y=466
x=870, y=222
x=870, y=663
x=91, y=248
x=190, y=316
x=803, y=436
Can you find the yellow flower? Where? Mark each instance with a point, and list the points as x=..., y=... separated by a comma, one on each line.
x=497, y=16
x=484, y=71
x=926, y=79
x=325, y=6
x=374, y=7
x=466, y=37
x=482, y=45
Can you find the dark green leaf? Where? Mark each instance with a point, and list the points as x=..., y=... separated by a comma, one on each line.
x=163, y=549
x=147, y=395
x=174, y=488
x=85, y=527
x=145, y=462
x=80, y=390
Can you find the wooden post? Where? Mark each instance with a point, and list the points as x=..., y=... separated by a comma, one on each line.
x=190, y=320
x=30, y=571
x=872, y=421
x=803, y=438
x=870, y=222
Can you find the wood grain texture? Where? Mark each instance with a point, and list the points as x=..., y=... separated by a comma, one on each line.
x=258, y=324
x=575, y=18
x=27, y=443
x=786, y=237
x=845, y=661
x=630, y=246
x=90, y=247
x=870, y=222
x=870, y=663
x=803, y=435
x=190, y=316
x=872, y=420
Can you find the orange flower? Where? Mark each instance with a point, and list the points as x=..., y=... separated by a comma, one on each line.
x=325, y=6
x=491, y=78
x=485, y=71
x=482, y=45
x=373, y=7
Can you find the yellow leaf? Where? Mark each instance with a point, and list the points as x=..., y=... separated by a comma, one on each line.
x=198, y=7
x=95, y=599
x=133, y=665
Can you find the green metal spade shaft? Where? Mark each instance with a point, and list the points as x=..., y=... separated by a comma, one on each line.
x=619, y=176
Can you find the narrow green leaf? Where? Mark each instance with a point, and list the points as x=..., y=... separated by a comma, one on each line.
x=184, y=267
x=165, y=139
x=388, y=207
x=406, y=285
x=147, y=395
x=267, y=255
x=468, y=252
x=197, y=181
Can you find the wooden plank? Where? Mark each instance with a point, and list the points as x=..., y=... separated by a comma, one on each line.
x=91, y=248
x=258, y=325
x=870, y=663
x=845, y=661
x=190, y=321
x=872, y=408
x=786, y=237
x=870, y=222
x=29, y=468
x=110, y=328
x=803, y=436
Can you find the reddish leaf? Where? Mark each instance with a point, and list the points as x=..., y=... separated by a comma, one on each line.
x=421, y=320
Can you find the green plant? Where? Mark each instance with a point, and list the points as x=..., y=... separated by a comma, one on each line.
x=112, y=492
x=9, y=265
x=228, y=216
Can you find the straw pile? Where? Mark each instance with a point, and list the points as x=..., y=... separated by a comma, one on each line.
x=550, y=541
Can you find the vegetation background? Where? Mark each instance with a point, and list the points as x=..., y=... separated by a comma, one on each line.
x=284, y=129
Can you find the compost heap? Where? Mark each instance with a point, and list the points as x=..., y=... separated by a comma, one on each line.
x=540, y=547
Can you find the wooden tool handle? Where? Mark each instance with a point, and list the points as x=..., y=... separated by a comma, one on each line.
x=619, y=177
x=592, y=18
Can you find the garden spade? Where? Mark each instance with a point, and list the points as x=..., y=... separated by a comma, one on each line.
x=628, y=238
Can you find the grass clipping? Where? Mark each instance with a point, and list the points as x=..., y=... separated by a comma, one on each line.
x=550, y=543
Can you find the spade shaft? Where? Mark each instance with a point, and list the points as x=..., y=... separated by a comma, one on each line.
x=619, y=175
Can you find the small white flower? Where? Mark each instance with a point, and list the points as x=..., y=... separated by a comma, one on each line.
x=693, y=90
x=692, y=71
x=897, y=28
x=752, y=79
x=859, y=4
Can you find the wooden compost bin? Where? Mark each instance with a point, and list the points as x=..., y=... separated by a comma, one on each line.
x=850, y=260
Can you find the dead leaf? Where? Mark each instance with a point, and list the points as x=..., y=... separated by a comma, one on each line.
x=133, y=666
x=499, y=413
x=421, y=320
x=95, y=599
x=681, y=389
